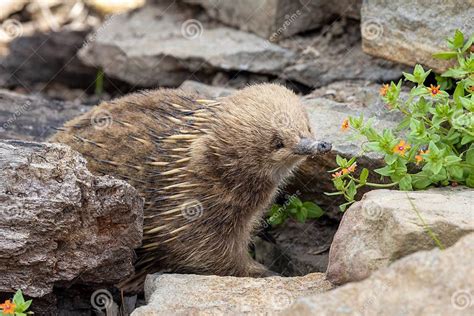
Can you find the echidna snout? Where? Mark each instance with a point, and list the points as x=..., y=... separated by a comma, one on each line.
x=207, y=169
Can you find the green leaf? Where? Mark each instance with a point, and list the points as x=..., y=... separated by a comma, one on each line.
x=455, y=73
x=451, y=159
x=458, y=92
x=341, y=162
x=420, y=180
x=458, y=39
x=385, y=171
x=302, y=215
x=445, y=55
x=344, y=206
x=456, y=172
x=390, y=159
x=409, y=77
x=351, y=190
x=314, y=211
x=18, y=298
x=468, y=43
x=405, y=183
x=364, y=175
x=470, y=155
x=470, y=181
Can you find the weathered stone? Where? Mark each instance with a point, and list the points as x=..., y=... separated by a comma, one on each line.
x=275, y=19
x=410, y=32
x=32, y=117
x=214, y=295
x=8, y=7
x=387, y=225
x=130, y=48
x=336, y=54
x=191, y=86
x=60, y=224
x=425, y=283
x=46, y=58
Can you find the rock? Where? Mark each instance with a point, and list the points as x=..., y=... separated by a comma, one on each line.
x=385, y=26
x=60, y=224
x=425, y=283
x=385, y=226
x=215, y=295
x=277, y=19
x=116, y=6
x=8, y=7
x=32, y=117
x=46, y=58
x=336, y=54
x=298, y=248
x=191, y=86
x=129, y=48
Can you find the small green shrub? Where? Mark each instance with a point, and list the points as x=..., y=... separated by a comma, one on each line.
x=293, y=208
x=433, y=144
x=17, y=306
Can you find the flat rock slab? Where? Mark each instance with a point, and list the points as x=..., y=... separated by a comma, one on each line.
x=425, y=283
x=33, y=117
x=163, y=45
x=277, y=19
x=336, y=54
x=60, y=224
x=410, y=32
x=387, y=225
x=180, y=294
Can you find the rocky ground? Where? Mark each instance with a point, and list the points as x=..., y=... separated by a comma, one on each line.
x=67, y=236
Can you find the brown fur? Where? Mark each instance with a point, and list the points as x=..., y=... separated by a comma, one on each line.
x=186, y=155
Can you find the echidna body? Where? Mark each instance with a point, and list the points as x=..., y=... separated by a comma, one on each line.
x=206, y=169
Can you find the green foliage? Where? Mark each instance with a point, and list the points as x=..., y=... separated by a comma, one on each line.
x=293, y=208
x=99, y=82
x=20, y=305
x=433, y=144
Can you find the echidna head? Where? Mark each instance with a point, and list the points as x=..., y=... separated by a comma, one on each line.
x=262, y=130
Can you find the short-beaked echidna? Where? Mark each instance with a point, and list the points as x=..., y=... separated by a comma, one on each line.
x=207, y=169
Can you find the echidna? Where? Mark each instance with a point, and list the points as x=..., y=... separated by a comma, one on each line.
x=207, y=169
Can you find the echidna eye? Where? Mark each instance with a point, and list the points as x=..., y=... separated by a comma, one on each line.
x=277, y=142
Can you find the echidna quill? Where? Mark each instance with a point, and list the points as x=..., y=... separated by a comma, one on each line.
x=207, y=169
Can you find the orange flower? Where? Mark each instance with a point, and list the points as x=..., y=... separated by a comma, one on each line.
x=419, y=158
x=8, y=307
x=352, y=168
x=384, y=89
x=401, y=148
x=434, y=90
x=345, y=125
x=337, y=174
x=345, y=171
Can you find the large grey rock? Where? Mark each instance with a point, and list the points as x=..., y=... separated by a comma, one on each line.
x=33, y=117
x=205, y=90
x=60, y=224
x=175, y=294
x=336, y=54
x=163, y=45
x=425, y=283
x=410, y=32
x=275, y=19
x=387, y=225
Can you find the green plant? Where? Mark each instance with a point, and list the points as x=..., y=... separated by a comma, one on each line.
x=433, y=144
x=293, y=208
x=99, y=82
x=17, y=306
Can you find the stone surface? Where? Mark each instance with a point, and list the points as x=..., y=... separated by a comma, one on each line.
x=335, y=54
x=386, y=225
x=8, y=7
x=60, y=224
x=275, y=19
x=32, y=117
x=130, y=48
x=214, y=295
x=191, y=86
x=425, y=283
x=410, y=32
x=46, y=58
